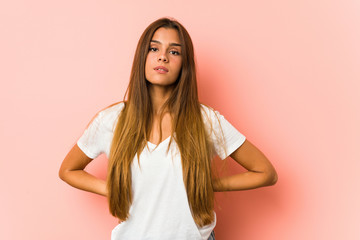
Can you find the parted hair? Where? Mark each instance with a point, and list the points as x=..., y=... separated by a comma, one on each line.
x=134, y=124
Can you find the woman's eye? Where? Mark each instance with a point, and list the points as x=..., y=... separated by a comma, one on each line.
x=174, y=52
x=153, y=49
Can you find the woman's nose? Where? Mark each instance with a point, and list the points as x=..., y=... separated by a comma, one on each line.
x=162, y=57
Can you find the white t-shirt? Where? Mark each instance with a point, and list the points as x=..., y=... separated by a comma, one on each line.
x=160, y=208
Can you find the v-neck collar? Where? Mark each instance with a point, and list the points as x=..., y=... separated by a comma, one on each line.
x=154, y=145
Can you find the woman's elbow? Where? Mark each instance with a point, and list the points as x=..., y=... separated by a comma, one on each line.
x=63, y=174
x=272, y=178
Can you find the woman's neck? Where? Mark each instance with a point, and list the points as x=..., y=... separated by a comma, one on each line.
x=159, y=95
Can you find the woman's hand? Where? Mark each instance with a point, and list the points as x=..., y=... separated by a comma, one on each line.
x=260, y=171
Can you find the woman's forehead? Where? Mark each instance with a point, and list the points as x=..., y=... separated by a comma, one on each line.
x=166, y=36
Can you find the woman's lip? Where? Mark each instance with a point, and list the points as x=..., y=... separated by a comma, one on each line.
x=161, y=69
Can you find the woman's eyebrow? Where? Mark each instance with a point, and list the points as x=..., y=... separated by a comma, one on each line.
x=171, y=44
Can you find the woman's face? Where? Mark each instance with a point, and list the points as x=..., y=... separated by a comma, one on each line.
x=164, y=60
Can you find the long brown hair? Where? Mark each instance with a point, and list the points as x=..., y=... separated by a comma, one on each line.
x=133, y=128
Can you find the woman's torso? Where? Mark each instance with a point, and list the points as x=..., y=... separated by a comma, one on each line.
x=160, y=209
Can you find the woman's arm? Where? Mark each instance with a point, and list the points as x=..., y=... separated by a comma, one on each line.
x=72, y=172
x=260, y=171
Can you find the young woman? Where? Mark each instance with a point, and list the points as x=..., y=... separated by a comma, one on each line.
x=160, y=142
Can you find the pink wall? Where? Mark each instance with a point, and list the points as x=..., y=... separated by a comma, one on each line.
x=285, y=73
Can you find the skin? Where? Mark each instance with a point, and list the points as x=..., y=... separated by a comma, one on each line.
x=164, y=51
x=260, y=171
x=72, y=172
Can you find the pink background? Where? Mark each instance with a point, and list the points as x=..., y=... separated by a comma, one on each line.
x=285, y=73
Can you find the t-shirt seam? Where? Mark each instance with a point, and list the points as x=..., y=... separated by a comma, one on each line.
x=86, y=150
x=234, y=146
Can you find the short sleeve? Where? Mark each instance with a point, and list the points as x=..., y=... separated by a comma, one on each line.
x=224, y=136
x=91, y=141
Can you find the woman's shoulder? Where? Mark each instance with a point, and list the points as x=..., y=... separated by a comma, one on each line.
x=113, y=108
x=208, y=111
x=211, y=117
x=110, y=114
x=205, y=108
